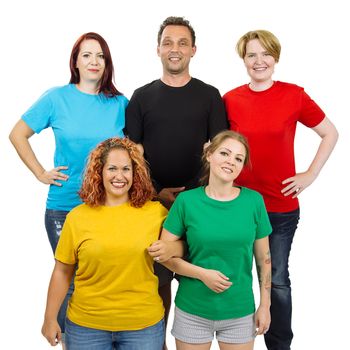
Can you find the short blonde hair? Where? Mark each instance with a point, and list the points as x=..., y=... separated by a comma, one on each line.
x=267, y=40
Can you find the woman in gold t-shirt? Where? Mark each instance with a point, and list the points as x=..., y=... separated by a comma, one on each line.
x=115, y=301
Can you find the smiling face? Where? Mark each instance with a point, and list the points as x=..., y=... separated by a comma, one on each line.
x=90, y=61
x=117, y=177
x=227, y=161
x=259, y=63
x=175, y=49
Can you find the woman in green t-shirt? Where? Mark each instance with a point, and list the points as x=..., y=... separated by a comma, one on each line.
x=224, y=226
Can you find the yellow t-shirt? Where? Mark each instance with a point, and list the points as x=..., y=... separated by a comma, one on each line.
x=115, y=287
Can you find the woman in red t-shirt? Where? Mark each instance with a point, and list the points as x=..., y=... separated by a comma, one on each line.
x=267, y=112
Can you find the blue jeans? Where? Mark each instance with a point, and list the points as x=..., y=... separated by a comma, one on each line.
x=284, y=225
x=149, y=338
x=54, y=220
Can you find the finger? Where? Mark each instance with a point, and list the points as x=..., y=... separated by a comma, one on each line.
x=296, y=194
x=290, y=179
x=61, y=167
x=287, y=188
x=156, y=258
x=176, y=189
x=53, y=182
x=223, y=276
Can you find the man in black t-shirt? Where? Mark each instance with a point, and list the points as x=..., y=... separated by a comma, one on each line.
x=172, y=118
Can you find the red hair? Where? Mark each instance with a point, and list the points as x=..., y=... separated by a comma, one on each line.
x=106, y=87
x=92, y=191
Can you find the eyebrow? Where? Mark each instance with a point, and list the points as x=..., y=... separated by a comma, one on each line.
x=91, y=52
x=228, y=150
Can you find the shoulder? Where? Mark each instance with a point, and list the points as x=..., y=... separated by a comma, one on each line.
x=199, y=84
x=155, y=207
x=78, y=211
x=189, y=195
x=289, y=86
x=236, y=91
x=147, y=88
x=252, y=194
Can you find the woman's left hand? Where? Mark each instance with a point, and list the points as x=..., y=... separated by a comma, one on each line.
x=262, y=320
x=298, y=183
x=160, y=251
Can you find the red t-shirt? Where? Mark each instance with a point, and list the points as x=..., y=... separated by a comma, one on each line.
x=268, y=119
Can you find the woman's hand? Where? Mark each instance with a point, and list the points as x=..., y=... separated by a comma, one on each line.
x=298, y=183
x=262, y=319
x=215, y=280
x=162, y=251
x=52, y=332
x=50, y=177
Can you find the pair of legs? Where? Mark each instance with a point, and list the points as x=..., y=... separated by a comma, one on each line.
x=193, y=332
x=54, y=220
x=83, y=338
x=280, y=334
x=223, y=346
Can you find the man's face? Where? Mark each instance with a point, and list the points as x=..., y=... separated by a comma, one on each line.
x=175, y=49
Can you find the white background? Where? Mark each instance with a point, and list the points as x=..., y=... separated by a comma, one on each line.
x=37, y=37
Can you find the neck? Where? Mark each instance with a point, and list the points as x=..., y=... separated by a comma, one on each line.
x=175, y=80
x=222, y=192
x=113, y=202
x=260, y=85
x=89, y=87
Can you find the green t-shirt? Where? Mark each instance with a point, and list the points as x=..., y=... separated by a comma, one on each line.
x=220, y=236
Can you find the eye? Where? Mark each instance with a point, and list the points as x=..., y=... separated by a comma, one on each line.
x=239, y=160
x=126, y=168
x=102, y=57
x=250, y=55
x=183, y=43
x=166, y=43
x=85, y=55
x=223, y=153
x=111, y=168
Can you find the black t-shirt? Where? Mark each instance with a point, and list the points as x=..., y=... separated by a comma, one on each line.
x=172, y=124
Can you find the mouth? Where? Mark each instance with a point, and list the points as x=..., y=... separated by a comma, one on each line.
x=119, y=184
x=260, y=69
x=227, y=170
x=93, y=70
x=174, y=59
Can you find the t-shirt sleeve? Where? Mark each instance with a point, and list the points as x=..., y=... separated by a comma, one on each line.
x=65, y=250
x=121, y=117
x=39, y=116
x=134, y=120
x=263, y=226
x=175, y=221
x=217, y=117
x=310, y=114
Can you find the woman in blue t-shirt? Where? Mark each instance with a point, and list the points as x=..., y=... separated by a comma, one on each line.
x=81, y=114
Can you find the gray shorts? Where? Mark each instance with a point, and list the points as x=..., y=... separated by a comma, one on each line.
x=164, y=275
x=193, y=329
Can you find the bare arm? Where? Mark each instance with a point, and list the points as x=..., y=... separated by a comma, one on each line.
x=19, y=137
x=213, y=279
x=263, y=267
x=59, y=284
x=162, y=250
x=329, y=136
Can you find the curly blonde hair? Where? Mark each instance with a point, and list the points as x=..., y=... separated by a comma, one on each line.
x=92, y=191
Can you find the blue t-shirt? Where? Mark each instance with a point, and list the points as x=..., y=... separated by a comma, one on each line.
x=79, y=122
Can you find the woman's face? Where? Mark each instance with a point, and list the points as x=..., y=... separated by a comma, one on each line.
x=90, y=61
x=117, y=177
x=227, y=161
x=259, y=63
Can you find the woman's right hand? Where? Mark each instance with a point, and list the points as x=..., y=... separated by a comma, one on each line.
x=215, y=280
x=52, y=332
x=50, y=177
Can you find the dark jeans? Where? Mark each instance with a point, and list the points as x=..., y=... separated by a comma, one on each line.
x=280, y=335
x=54, y=220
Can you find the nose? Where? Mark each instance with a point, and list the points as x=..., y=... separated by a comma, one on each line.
x=93, y=60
